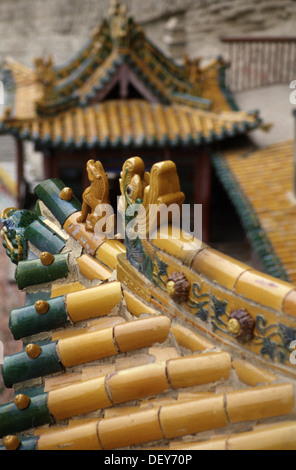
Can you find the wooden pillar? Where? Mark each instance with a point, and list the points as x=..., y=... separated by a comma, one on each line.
x=20, y=173
x=51, y=164
x=47, y=164
x=55, y=164
x=202, y=189
x=167, y=153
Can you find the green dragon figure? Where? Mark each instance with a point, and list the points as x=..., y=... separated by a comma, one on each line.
x=14, y=224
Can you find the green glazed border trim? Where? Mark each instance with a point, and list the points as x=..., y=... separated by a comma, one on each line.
x=13, y=420
x=26, y=321
x=33, y=272
x=20, y=368
x=29, y=443
x=249, y=219
x=49, y=192
x=43, y=238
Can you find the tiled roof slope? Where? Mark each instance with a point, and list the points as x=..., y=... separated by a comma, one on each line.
x=111, y=361
x=260, y=183
x=73, y=105
x=144, y=123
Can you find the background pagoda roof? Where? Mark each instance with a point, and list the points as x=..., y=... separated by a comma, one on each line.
x=144, y=123
x=120, y=70
x=260, y=184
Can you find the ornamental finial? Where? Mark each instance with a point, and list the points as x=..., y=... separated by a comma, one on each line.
x=119, y=22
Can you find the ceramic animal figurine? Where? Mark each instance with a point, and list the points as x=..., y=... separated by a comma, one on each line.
x=14, y=224
x=97, y=193
x=148, y=192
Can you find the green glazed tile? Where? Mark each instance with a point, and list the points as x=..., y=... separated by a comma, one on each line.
x=26, y=444
x=19, y=367
x=43, y=238
x=13, y=420
x=49, y=191
x=26, y=321
x=33, y=272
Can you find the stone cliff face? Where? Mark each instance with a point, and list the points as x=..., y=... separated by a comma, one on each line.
x=37, y=27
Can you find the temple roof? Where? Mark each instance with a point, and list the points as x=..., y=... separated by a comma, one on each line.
x=260, y=184
x=120, y=70
x=132, y=122
x=111, y=360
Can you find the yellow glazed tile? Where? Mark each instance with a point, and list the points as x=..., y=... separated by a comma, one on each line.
x=173, y=242
x=272, y=201
x=197, y=370
x=260, y=402
x=156, y=402
x=87, y=348
x=289, y=304
x=93, y=325
x=80, y=437
x=108, y=252
x=92, y=269
x=63, y=289
x=192, y=341
x=252, y=375
x=138, y=382
x=213, y=444
x=93, y=302
x=121, y=411
x=52, y=383
x=87, y=239
x=94, y=372
x=263, y=289
x=191, y=396
x=134, y=360
x=78, y=399
x=135, y=306
x=163, y=354
x=69, y=333
x=142, y=333
x=123, y=431
x=218, y=267
x=275, y=437
x=193, y=417
x=104, y=322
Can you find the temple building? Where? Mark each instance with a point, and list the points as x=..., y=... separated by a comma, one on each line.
x=120, y=95
x=161, y=344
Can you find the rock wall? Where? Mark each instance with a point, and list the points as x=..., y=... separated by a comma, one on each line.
x=38, y=27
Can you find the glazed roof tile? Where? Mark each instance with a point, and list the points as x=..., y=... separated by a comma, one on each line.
x=71, y=105
x=105, y=368
x=133, y=122
x=260, y=184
